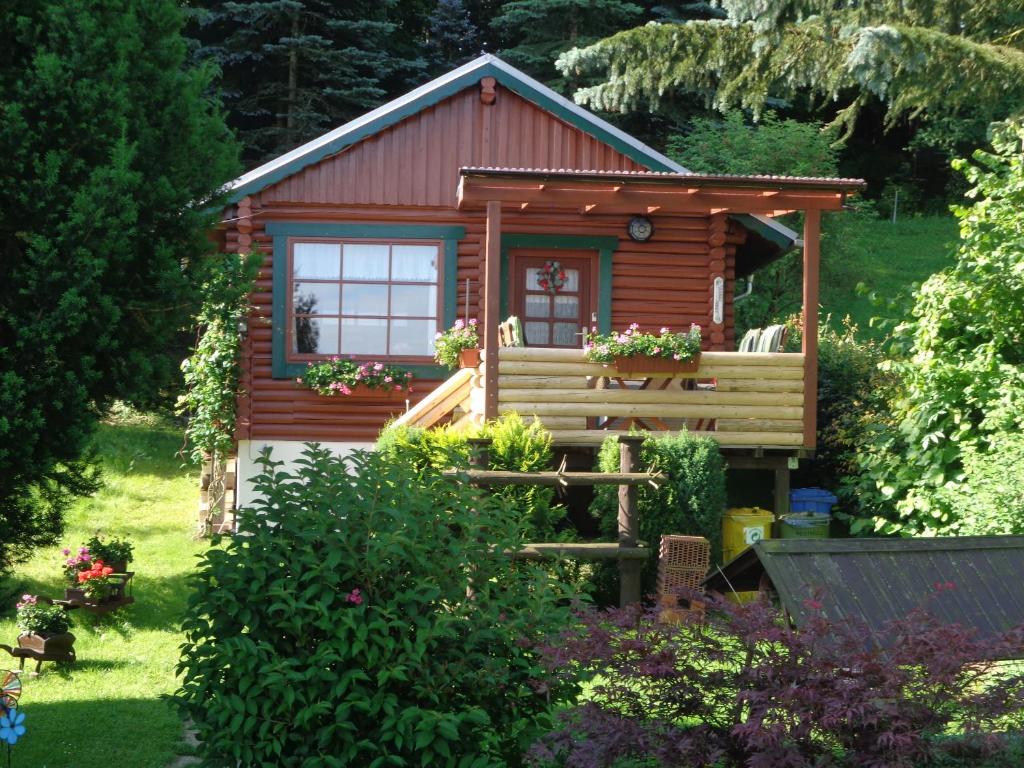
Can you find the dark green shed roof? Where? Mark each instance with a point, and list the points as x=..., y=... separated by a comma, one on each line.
x=974, y=581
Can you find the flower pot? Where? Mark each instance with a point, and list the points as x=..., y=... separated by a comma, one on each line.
x=119, y=566
x=73, y=593
x=469, y=358
x=53, y=647
x=650, y=364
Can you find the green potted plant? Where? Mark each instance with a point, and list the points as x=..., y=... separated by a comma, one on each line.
x=459, y=346
x=344, y=377
x=100, y=584
x=44, y=629
x=633, y=351
x=116, y=553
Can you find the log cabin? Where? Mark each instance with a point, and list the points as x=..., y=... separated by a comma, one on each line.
x=444, y=204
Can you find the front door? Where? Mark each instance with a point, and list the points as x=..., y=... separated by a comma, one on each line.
x=553, y=294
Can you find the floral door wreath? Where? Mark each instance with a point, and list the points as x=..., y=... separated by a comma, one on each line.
x=551, y=277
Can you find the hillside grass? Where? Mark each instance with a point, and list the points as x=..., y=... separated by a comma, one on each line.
x=888, y=259
x=107, y=709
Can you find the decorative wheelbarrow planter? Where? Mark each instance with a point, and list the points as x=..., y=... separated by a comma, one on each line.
x=77, y=598
x=42, y=648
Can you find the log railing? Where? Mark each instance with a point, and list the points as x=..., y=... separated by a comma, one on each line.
x=738, y=399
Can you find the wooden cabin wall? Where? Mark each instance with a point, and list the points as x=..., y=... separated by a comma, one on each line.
x=408, y=174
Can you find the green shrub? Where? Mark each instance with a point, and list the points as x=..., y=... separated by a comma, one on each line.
x=515, y=447
x=990, y=498
x=690, y=503
x=366, y=615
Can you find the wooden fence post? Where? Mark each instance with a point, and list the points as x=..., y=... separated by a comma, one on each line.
x=629, y=528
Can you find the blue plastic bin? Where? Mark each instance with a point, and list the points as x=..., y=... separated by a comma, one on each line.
x=811, y=500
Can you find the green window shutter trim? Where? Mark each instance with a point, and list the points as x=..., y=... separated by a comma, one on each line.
x=281, y=368
x=605, y=247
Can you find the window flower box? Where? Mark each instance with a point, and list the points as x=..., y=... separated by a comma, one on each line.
x=344, y=377
x=363, y=393
x=654, y=364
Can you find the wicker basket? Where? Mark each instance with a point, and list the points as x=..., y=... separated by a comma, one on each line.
x=683, y=563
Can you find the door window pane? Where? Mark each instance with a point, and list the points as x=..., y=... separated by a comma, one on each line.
x=567, y=306
x=316, y=261
x=538, y=305
x=572, y=280
x=414, y=300
x=315, y=336
x=315, y=299
x=414, y=263
x=360, y=336
x=365, y=261
x=412, y=337
x=533, y=279
x=362, y=299
x=536, y=333
x=565, y=335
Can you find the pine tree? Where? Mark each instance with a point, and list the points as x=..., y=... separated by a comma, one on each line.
x=958, y=64
x=452, y=37
x=535, y=32
x=112, y=152
x=294, y=69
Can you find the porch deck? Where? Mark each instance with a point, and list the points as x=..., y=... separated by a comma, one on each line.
x=742, y=400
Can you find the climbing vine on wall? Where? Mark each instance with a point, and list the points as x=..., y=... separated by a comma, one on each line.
x=212, y=372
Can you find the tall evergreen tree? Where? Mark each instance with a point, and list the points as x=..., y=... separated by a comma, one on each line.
x=956, y=63
x=452, y=36
x=293, y=69
x=535, y=32
x=112, y=155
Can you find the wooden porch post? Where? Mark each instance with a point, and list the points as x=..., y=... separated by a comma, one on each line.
x=492, y=299
x=630, y=589
x=812, y=255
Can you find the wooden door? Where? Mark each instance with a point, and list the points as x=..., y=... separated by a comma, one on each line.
x=554, y=316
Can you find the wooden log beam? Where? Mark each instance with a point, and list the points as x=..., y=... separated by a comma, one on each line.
x=501, y=477
x=492, y=301
x=673, y=396
x=779, y=440
x=581, y=551
x=739, y=359
x=653, y=407
x=812, y=247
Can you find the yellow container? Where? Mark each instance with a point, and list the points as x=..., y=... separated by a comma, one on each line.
x=741, y=527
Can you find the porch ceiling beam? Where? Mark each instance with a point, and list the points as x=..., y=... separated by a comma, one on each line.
x=632, y=200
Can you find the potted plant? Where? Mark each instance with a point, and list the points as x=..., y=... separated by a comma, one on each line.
x=73, y=565
x=44, y=628
x=633, y=351
x=99, y=584
x=116, y=552
x=344, y=377
x=459, y=346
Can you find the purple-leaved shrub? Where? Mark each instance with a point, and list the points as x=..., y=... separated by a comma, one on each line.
x=744, y=688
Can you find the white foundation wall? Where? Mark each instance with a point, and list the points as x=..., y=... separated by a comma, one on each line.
x=281, y=450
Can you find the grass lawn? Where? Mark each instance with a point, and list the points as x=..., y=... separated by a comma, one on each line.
x=106, y=709
x=887, y=258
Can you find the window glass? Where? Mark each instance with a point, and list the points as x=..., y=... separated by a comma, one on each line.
x=564, y=334
x=315, y=336
x=536, y=333
x=414, y=263
x=572, y=280
x=364, y=299
x=567, y=306
x=537, y=305
x=365, y=261
x=315, y=299
x=362, y=336
x=316, y=261
x=413, y=337
x=533, y=279
x=414, y=300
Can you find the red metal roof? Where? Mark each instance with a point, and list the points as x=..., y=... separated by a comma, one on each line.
x=656, y=176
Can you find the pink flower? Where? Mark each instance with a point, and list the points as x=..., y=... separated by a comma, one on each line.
x=345, y=390
x=66, y=551
x=354, y=597
x=665, y=330
x=473, y=321
x=459, y=324
x=378, y=366
x=387, y=379
x=656, y=350
x=675, y=357
x=408, y=374
x=634, y=326
x=398, y=388
x=622, y=338
x=438, y=335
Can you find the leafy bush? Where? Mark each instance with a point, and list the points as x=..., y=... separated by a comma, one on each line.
x=746, y=689
x=990, y=500
x=115, y=550
x=959, y=362
x=366, y=614
x=690, y=503
x=516, y=447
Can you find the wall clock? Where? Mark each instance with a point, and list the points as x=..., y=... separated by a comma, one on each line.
x=640, y=228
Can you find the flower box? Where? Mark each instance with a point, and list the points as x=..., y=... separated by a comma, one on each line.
x=651, y=364
x=361, y=392
x=74, y=594
x=469, y=358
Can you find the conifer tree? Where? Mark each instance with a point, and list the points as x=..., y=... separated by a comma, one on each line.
x=112, y=157
x=958, y=64
x=535, y=32
x=294, y=69
x=452, y=36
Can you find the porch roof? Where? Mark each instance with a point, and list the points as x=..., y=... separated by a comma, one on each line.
x=652, y=191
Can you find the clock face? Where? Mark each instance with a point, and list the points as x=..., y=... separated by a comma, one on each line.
x=640, y=228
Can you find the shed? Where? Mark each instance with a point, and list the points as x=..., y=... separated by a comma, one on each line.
x=974, y=581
